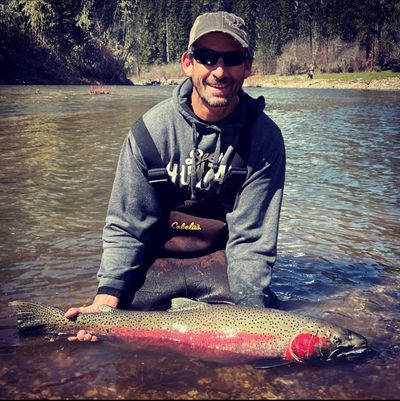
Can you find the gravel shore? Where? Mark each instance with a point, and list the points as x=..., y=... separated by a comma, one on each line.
x=392, y=83
x=298, y=81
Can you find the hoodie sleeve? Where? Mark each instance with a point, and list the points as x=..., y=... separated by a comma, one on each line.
x=133, y=209
x=253, y=223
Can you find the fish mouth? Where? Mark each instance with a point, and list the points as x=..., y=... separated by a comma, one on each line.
x=350, y=352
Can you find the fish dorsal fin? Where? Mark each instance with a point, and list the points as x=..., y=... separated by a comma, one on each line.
x=180, y=304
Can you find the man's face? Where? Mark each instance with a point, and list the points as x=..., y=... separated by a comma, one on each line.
x=216, y=86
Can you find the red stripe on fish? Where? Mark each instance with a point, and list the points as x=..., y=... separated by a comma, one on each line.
x=248, y=345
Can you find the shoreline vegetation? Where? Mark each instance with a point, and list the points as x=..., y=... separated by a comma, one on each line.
x=383, y=80
x=119, y=42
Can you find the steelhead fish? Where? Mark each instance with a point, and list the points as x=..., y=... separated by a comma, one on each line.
x=266, y=337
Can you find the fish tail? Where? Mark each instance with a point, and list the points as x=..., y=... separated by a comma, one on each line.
x=35, y=318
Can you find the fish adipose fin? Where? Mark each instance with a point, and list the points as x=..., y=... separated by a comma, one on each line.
x=180, y=304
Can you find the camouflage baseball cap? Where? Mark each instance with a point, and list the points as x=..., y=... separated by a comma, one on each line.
x=220, y=21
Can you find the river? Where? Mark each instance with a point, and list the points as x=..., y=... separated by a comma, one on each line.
x=338, y=249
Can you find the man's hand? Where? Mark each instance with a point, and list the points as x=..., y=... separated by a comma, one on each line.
x=102, y=299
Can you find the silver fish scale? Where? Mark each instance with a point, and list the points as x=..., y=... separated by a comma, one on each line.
x=209, y=318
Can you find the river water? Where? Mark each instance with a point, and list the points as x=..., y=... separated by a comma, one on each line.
x=338, y=243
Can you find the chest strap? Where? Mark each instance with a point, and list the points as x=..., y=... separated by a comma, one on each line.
x=157, y=172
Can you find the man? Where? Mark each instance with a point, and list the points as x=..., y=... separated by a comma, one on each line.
x=197, y=133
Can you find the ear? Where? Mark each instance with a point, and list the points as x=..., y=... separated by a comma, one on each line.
x=187, y=65
x=247, y=67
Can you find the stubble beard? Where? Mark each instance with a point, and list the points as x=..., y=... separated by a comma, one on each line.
x=218, y=101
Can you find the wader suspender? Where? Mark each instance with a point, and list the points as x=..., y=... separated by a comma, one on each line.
x=191, y=263
x=157, y=173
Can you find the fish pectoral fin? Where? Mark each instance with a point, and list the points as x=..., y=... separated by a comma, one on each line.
x=270, y=363
x=180, y=304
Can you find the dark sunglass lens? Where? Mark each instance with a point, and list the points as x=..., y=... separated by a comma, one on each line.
x=234, y=58
x=205, y=57
x=210, y=57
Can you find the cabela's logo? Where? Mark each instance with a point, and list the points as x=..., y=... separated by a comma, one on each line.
x=184, y=226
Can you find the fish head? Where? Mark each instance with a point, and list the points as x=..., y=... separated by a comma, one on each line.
x=331, y=343
x=346, y=344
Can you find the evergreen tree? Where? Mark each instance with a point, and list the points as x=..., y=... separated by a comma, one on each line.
x=100, y=39
x=249, y=11
x=269, y=38
x=290, y=20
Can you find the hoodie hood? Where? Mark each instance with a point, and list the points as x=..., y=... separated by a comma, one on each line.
x=231, y=125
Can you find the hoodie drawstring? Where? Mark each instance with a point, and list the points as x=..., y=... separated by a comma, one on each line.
x=209, y=177
x=193, y=172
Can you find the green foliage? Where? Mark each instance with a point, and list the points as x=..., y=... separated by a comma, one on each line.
x=108, y=39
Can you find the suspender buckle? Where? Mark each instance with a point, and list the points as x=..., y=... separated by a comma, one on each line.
x=157, y=175
x=239, y=172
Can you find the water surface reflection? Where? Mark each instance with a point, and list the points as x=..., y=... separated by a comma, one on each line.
x=338, y=242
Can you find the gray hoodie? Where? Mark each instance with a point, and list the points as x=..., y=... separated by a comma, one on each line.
x=183, y=141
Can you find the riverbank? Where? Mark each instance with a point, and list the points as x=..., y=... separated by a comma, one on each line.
x=370, y=80
x=378, y=82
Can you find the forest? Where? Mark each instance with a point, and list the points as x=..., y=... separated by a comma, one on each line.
x=110, y=41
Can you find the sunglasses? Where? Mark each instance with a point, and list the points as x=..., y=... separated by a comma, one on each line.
x=211, y=57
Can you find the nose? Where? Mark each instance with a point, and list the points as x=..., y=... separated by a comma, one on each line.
x=219, y=70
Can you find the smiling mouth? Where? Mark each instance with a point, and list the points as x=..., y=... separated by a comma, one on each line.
x=217, y=86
